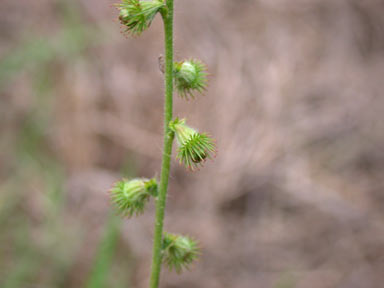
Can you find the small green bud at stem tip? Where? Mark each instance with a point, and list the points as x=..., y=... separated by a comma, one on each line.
x=137, y=15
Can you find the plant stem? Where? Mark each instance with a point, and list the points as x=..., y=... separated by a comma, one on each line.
x=167, y=149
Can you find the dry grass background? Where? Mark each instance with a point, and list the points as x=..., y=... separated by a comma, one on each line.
x=295, y=196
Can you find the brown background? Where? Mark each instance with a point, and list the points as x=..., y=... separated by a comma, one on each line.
x=295, y=196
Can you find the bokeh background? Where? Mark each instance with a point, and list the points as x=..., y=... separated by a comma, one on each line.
x=295, y=196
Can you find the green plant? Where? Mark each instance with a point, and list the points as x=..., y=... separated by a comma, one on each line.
x=188, y=77
x=104, y=256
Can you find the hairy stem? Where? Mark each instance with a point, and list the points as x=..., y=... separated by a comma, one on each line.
x=167, y=15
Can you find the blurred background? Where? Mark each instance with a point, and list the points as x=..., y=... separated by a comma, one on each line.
x=295, y=196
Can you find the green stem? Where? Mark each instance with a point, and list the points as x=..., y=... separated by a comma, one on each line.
x=167, y=149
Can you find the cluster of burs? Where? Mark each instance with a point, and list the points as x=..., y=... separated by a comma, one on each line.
x=130, y=196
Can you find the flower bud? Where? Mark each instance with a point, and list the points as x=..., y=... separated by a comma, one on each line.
x=190, y=76
x=179, y=251
x=138, y=15
x=194, y=147
x=130, y=196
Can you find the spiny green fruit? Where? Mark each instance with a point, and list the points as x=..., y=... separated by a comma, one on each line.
x=137, y=15
x=179, y=252
x=193, y=147
x=190, y=77
x=130, y=196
